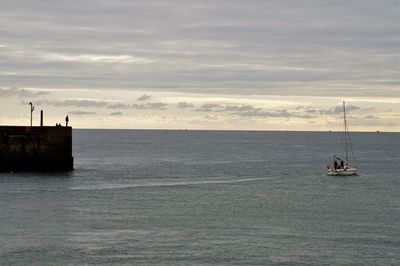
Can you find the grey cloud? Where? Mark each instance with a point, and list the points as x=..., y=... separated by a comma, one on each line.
x=81, y=103
x=144, y=97
x=279, y=113
x=116, y=113
x=212, y=118
x=240, y=108
x=98, y=104
x=222, y=47
x=183, y=105
x=148, y=105
x=210, y=107
x=9, y=92
x=369, y=109
x=81, y=113
x=118, y=106
x=352, y=108
x=156, y=106
x=339, y=109
x=332, y=111
x=250, y=111
x=76, y=103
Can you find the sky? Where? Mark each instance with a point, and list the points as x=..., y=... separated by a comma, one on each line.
x=223, y=65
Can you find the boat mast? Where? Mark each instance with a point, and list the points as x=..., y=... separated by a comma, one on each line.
x=345, y=131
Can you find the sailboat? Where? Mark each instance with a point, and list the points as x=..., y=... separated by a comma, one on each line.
x=341, y=165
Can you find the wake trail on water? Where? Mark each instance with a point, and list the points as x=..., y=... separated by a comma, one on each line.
x=168, y=184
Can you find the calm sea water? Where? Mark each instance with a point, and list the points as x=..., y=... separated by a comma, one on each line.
x=206, y=198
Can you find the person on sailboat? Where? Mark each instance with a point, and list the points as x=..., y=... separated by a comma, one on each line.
x=335, y=165
x=341, y=164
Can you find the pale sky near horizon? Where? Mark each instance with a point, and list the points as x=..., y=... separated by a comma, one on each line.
x=236, y=65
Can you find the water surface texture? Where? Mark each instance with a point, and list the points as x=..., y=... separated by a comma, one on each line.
x=206, y=198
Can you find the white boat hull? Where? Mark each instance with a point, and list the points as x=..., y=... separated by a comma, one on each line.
x=342, y=172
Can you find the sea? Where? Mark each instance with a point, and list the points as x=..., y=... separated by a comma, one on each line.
x=165, y=197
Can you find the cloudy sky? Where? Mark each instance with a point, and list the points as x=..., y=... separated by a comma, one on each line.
x=254, y=65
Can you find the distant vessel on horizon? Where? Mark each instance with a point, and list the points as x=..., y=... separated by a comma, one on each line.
x=341, y=165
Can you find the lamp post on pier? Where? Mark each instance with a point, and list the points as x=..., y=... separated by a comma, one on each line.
x=32, y=108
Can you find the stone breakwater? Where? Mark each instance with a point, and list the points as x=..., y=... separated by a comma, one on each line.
x=35, y=148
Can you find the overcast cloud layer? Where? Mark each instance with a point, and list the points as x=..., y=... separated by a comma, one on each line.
x=160, y=64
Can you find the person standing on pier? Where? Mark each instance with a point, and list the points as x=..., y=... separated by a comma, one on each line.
x=66, y=121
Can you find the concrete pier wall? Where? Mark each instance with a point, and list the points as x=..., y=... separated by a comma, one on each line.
x=35, y=148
